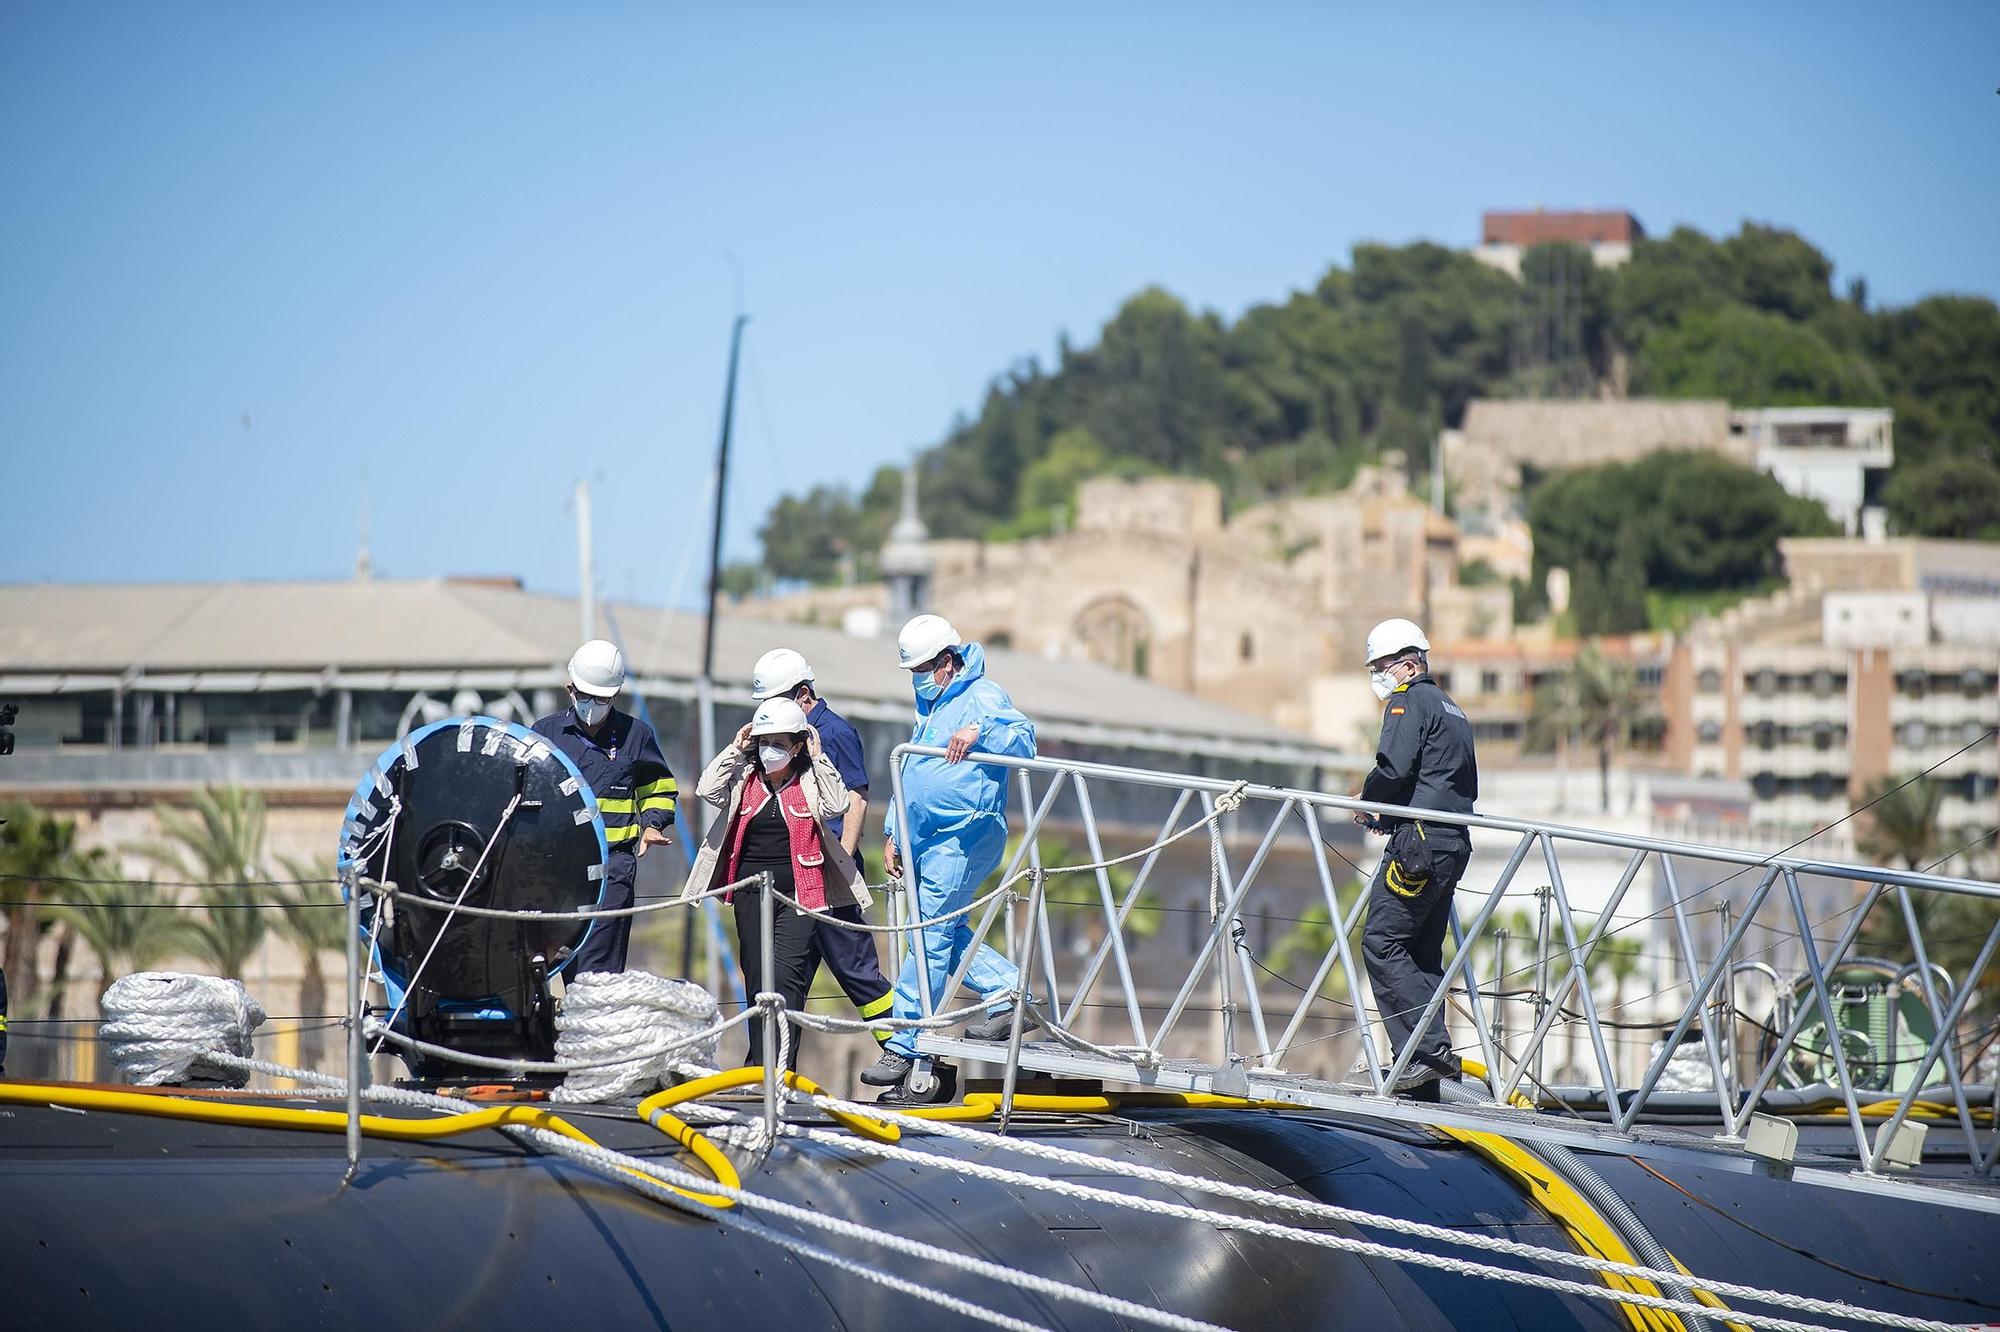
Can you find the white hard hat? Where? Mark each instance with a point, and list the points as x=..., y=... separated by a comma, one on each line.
x=923, y=638
x=1392, y=636
x=598, y=669
x=779, y=671
x=778, y=716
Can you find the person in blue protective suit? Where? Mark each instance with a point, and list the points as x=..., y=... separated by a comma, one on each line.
x=956, y=832
x=620, y=757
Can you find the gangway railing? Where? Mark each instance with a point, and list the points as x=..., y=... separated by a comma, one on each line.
x=1689, y=998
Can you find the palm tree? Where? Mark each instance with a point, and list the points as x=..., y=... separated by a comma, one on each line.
x=128, y=924
x=1310, y=939
x=218, y=844
x=1076, y=911
x=1900, y=827
x=1901, y=821
x=1597, y=700
x=84, y=871
x=308, y=918
x=217, y=839
x=34, y=848
x=1552, y=725
x=229, y=930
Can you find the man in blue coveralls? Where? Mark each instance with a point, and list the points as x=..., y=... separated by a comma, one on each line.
x=848, y=953
x=957, y=830
x=620, y=757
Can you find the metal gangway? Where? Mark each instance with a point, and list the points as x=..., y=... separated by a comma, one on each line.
x=1695, y=999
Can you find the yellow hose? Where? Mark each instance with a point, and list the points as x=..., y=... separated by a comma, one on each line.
x=1589, y=1231
x=980, y=1106
x=657, y=1103
x=394, y=1128
x=1474, y=1069
x=164, y=1106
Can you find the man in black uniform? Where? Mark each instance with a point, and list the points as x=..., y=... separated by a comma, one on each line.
x=619, y=756
x=1424, y=760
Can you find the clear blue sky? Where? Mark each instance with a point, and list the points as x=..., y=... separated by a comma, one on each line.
x=257, y=261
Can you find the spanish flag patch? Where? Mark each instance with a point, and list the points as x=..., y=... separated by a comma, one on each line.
x=1395, y=712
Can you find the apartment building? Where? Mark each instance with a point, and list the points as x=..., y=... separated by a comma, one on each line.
x=1813, y=695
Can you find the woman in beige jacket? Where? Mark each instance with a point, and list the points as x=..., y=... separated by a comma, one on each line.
x=776, y=790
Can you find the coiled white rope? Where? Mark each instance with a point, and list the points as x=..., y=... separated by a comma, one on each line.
x=160, y=1026
x=616, y=1030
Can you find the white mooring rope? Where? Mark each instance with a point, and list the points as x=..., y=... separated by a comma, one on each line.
x=205, y=1040
x=160, y=1026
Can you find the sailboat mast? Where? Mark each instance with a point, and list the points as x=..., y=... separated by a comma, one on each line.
x=705, y=686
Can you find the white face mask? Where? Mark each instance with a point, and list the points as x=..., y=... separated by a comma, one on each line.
x=1383, y=683
x=773, y=756
x=591, y=711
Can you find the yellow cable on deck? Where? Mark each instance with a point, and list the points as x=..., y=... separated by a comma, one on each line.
x=1590, y=1232
x=657, y=1103
x=981, y=1106
x=392, y=1127
x=1474, y=1069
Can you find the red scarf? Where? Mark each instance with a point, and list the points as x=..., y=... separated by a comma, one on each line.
x=808, y=855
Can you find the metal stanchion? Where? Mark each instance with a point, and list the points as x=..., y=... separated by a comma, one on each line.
x=355, y=1062
x=767, y=926
x=1038, y=881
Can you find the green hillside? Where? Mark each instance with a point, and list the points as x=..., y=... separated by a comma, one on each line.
x=1293, y=397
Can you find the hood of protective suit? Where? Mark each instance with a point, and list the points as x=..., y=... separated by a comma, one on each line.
x=972, y=669
x=944, y=798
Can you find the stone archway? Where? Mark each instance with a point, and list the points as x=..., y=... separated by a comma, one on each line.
x=1115, y=632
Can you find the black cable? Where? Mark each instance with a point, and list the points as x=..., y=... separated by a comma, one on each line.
x=1822, y=1259
x=168, y=883
x=175, y=906
x=1859, y=809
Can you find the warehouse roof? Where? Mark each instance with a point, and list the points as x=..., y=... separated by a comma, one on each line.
x=440, y=633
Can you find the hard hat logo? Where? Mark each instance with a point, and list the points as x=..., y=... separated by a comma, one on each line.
x=597, y=669
x=779, y=671
x=778, y=716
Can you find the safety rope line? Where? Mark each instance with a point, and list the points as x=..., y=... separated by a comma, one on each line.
x=895, y=885
x=1354, y=1216
x=1084, y=1192
x=375, y=1027
x=1226, y=803
x=1372, y=1249
x=827, y=1022
x=625, y=1170
x=1144, y=1055
x=390, y=890
x=621, y=1167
